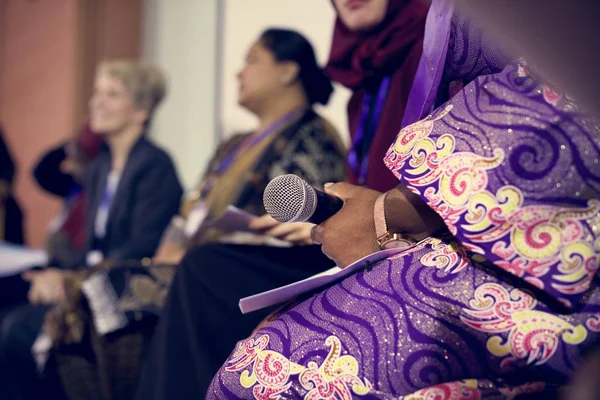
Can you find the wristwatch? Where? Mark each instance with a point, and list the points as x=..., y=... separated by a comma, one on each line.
x=385, y=238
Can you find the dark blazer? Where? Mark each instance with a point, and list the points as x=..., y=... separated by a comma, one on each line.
x=147, y=197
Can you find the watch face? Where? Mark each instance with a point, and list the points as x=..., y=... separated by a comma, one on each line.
x=396, y=244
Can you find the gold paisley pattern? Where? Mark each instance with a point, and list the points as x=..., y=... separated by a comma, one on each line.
x=533, y=336
x=548, y=245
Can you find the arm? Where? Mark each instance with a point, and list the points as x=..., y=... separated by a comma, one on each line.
x=315, y=154
x=517, y=185
x=157, y=196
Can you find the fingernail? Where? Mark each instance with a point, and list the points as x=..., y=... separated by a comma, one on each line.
x=328, y=184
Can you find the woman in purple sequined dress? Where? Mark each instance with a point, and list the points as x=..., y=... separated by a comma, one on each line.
x=499, y=184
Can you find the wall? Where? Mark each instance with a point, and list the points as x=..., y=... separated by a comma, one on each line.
x=244, y=21
x=49, y=49
x=181, y=37
x=200, y=45
x=37, y=89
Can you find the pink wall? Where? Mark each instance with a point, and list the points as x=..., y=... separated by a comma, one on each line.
x=43, y=80
x=37, y=88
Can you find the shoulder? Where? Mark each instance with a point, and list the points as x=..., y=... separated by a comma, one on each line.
x=150, y=152
x=320, y=131
x=232, y=141
x=227, y=145
x=312, y=122
x=102, y=159
x=154, y=164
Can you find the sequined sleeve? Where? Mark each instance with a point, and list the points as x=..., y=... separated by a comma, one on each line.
x=512, y=166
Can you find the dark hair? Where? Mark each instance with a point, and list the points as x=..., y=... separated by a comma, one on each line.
x=289, y=45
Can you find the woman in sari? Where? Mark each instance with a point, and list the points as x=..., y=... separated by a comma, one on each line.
x=495, y=294
x=99, y=350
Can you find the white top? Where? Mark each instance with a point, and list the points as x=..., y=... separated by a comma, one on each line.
x=112, y=182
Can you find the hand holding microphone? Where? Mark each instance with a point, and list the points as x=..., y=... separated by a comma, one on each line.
x=296, y=233
x=289, y=198
x=346, y=230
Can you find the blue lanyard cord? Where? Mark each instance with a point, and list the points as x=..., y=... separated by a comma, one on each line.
x=109, y=193
x=358, y=157
x=252, y=140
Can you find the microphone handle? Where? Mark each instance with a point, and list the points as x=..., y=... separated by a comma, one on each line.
x=327, y=206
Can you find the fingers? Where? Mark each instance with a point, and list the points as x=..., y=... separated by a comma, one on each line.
x=60, y=294
x=33, y=295
x=263, y=223
x=342, y=190
x=28, y=275
x=300, y=235
x=46, y=286
x=282, y=230
x=316, y=234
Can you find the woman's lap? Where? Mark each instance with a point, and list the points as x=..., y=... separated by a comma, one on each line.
x=201, y=321
x=409, y=323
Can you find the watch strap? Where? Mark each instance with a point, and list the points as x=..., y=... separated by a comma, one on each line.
x=381, y=228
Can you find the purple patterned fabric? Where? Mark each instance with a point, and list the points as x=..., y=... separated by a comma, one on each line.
x=410, y=323
x=513, y=168
x=455, y=51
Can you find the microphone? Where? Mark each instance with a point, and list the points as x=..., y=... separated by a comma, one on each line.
x=289, y=198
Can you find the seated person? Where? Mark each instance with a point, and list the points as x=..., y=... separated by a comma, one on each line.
x=378, y=67
x=279, y=83
x=498, y=203
x=11, y=217
x=126, y=210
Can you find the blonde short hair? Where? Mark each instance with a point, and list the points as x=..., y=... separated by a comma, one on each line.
x=146, y=83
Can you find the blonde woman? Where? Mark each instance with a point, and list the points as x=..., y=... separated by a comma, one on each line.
x=127, y=211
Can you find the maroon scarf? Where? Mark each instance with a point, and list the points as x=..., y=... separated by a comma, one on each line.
x=88, y=143
x=360, y=60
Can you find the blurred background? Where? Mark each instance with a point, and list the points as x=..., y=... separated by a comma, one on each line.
x=49, y=50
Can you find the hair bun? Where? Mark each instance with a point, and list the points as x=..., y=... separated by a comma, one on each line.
x=289, y=45
x=318, y=86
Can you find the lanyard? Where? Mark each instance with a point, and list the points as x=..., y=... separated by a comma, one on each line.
x=253, y=140
x=366, y=131
x=112, y=182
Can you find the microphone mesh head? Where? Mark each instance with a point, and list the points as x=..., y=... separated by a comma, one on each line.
x=288, y=198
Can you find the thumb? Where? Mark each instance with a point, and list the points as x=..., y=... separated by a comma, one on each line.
x=343, y=190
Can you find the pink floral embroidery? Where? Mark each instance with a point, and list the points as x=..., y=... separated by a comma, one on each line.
x=461, y=390
x=551, y=96
x=449, y=257
x=531, y=241
x=335, y=378
x=246, y=352
x=269, y=377
x=593, y=323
